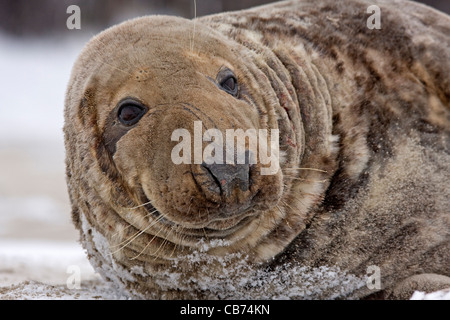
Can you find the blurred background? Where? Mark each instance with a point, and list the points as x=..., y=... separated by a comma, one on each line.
x=25, y=18
x=36, y=55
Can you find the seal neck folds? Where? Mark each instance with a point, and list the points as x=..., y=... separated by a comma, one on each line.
x=298, y=95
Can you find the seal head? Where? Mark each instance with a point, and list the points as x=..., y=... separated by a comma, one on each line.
x=137, y=106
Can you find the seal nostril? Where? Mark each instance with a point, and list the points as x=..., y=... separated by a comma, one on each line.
x=227, y=177
x=218, y=184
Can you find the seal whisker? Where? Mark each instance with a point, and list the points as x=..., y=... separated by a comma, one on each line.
x=133, y=237
x=301, y=202
x=311, y=169
x=114, y=67
x=287, y=205
x=104, y=45
x=145, y=248
x=192, y=41
x=207, y=214
x=180, y=238
x=308, y=180
x=130, y=225
x=98, y=59
x=142, y=205
x=137, y=62
x=281, y=211
x=174, y=249
x=283, y=214
x=163, y=244
x=295, y=212
x=259, y=222
x=204, y=232
x=115, y=234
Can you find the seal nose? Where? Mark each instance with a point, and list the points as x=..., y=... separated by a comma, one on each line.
x=228, y=177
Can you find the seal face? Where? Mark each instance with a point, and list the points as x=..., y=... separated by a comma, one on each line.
x=237, y=146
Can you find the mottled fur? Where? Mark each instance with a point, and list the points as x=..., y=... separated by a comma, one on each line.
x=369, y=108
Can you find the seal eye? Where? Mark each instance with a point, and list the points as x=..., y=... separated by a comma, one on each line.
x=226, y=80
x=229, y=84
x=130, y=112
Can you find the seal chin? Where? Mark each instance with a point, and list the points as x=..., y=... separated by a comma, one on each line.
x=222, y=224
x=230, y=222
x=219, y=229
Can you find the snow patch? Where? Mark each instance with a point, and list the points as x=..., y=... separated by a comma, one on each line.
x=438, y=295
x=33, y=290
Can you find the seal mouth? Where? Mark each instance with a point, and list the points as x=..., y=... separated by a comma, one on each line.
x=217, y=228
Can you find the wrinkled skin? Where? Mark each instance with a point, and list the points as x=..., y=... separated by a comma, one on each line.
x=363, y=118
